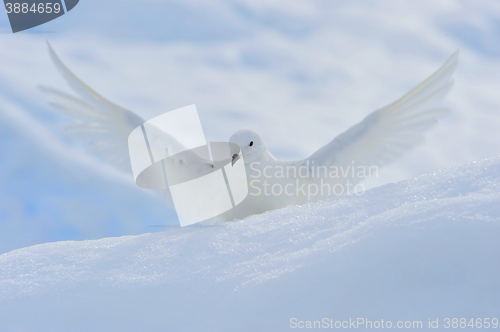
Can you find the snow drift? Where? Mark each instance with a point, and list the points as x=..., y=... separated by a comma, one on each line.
x=422, y=249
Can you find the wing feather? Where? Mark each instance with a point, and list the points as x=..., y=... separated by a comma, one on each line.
x=388, y=132
x=103, y=124
x=106, y=127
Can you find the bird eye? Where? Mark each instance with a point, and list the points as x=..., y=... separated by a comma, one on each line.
x=251, y=143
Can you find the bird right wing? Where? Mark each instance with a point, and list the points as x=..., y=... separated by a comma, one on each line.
x=106, y=127
x=388, y=132
x=102, y=124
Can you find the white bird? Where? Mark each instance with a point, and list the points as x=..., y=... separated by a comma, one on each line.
x=333, y=170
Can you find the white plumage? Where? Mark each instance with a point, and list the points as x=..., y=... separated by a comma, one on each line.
x=380, y=138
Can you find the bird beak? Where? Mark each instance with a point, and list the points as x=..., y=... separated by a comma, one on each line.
x=235, y=158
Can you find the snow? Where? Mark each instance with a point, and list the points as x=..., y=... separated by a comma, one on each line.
x=425, y=248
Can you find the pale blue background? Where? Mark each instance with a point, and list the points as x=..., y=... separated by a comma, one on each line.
x=298, y=72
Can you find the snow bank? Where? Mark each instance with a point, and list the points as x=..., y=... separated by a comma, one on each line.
x=421, y=249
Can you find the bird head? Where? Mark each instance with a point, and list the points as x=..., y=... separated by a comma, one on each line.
x=251, y=145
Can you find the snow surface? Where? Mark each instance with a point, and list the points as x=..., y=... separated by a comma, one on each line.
x=419, y=249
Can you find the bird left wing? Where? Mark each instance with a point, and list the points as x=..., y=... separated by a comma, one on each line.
x=388, y=132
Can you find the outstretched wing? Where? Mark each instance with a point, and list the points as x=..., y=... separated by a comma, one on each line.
x=388, y=132
x=104, y=125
